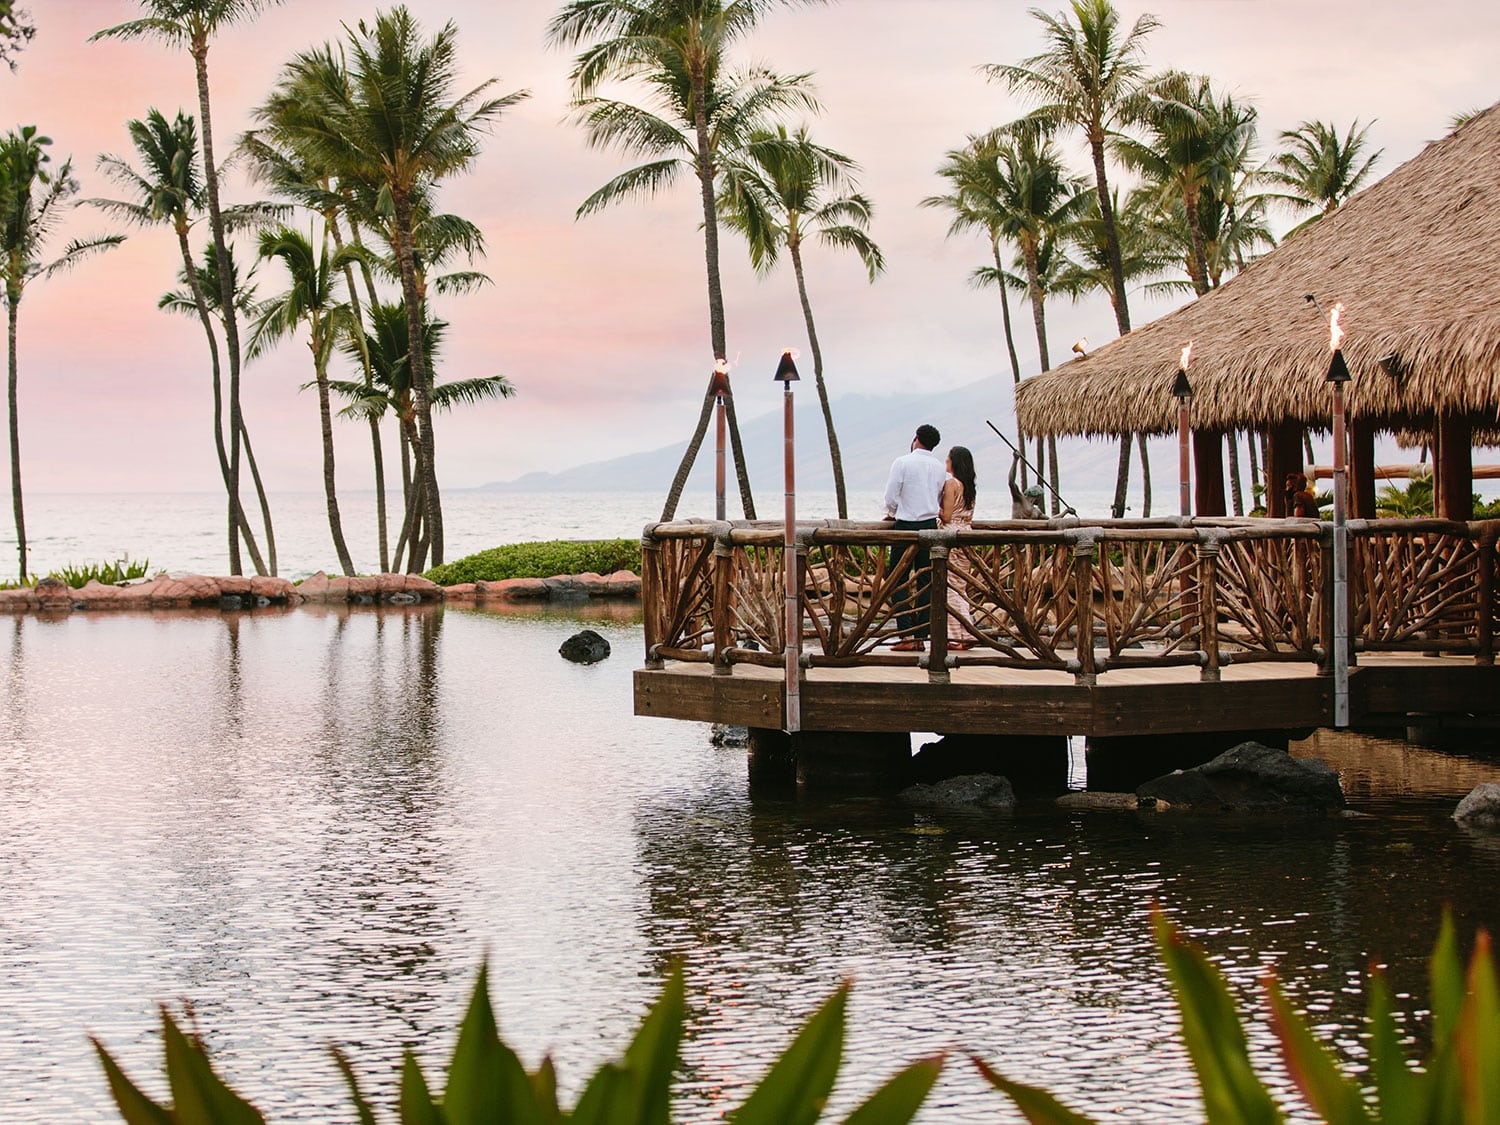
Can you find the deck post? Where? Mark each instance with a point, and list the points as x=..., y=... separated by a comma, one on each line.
x=937, y=616
x=1084, y=550
x=1208, y=469
x=1208, y=605
x=1485, y=653
x=1455, y=458
x=723, y=617
x=1285, y=457
x=1325, y=600
x=1362, y=468
x=652, y=596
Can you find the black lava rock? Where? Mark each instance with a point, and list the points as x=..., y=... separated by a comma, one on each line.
x=587, y=647
x=1250, y=778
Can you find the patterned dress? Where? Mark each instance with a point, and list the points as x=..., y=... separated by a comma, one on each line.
x=959, y=612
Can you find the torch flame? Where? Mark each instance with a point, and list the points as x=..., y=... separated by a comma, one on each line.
x=721, y=366
x=1186, y=357
x=795, y=353
x=1335, y=330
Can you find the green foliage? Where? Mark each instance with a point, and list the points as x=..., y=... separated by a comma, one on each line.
x=1458, y=1081
x=1409, y=503
x=1486, y=509
x=487, y=1084
x=541, y=560
x=78, y=576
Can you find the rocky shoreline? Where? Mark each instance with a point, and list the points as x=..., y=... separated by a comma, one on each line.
x=196, y=591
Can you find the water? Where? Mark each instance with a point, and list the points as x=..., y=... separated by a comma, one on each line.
x=314, y=824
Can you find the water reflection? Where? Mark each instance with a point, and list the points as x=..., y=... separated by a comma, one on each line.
x=315, y=823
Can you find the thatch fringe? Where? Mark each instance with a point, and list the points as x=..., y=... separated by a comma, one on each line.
x=1413, y=258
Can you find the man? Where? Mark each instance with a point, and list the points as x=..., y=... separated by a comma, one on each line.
x=912, y=498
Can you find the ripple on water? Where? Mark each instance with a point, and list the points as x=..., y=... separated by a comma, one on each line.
x=314, y=826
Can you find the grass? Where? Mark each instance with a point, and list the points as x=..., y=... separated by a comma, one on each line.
x=541, y=560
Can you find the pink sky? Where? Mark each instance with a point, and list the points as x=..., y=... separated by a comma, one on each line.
x=602, y=323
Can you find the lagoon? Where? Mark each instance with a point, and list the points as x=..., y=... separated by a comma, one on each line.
x=314, y=824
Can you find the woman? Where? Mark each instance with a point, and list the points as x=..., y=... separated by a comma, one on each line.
x=956, y=513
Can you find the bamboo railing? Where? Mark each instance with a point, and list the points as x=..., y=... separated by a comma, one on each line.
x=1068, y=596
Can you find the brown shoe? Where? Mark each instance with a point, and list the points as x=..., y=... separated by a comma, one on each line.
x=959, y=646
x=909, y=646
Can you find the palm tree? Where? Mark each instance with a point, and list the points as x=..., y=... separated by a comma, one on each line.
x=170, y=190
x=777, y=196
x=1196, y=144
x=389, y=390
x=1318, y=170
x=395, y=126
x=16, y=30
x=309, y=299
x=974, y=199
x=194, y=23
x=33, y=201
x=696, y=115
x=1087, y=78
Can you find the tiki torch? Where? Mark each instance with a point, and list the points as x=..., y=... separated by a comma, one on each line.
x=786, y=375
x=721, y=388
x=1338, y=375
x=1182, y=391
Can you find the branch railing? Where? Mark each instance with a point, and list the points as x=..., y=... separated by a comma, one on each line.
x=1066, y=596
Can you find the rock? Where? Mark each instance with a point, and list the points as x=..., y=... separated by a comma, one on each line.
x=565, y=588
x=464, y=590
x=235, y=586
x=1481, y=808
x=514, y=589
x=623, y=584
x=1111, y=802
x=975, y=790
x=402, y=597
x=732, y=737
x=232, y=601
x=1250, y=777
x=22, y=600
x=587, y=647
x=54, y=594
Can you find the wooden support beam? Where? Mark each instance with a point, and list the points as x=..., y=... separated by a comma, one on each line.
x=1208, y=473
x=1362, y=468
x=1455, y=486
x=1285, y=457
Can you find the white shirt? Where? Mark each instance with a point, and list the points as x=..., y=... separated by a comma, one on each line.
x=916, y=486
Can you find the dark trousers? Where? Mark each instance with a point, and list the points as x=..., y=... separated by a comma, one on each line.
x=913, y=619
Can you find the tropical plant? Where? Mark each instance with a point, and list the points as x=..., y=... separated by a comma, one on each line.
x=1087, y=78
x=193, y=24
x=1409, y=503
x=784, y=189
x=395, y=126
x=487, y=1083
x=169, y=190
x=309, y=299
x=33, y=200
x=696, y=115
x=388, y=390
x=1317, y=170
x=544, y=559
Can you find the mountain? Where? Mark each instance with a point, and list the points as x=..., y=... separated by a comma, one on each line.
x=872, y=431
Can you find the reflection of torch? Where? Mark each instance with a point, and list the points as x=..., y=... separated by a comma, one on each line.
x=1338, y=375
x=1182, y=391
x=721, y=388
x=786, y=375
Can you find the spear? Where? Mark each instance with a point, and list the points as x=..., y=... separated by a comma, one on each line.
x=1068, y=509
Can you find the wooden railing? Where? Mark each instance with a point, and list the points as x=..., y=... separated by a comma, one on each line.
x=1081, y=598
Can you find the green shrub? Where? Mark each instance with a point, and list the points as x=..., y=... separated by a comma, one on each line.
x=488, y=1085
x=541, y=560
x=78, y=576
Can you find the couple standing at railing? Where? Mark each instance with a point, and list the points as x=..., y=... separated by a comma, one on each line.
x=924, y=493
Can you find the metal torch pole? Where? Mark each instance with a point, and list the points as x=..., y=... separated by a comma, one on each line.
x=1340, y=567
x=793, y=644
x=1184, y=456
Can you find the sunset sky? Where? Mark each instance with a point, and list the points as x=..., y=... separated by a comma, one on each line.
x=602, y=323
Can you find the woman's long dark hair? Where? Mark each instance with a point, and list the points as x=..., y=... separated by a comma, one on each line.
x=963, y=471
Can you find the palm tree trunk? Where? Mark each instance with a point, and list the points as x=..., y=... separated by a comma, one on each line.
x=1010, y=347
x=12, y=300
x=1120, y=303
x=679, y=481
x=1307, y=447
x=1236, y=491
x=364, y=360
x=239, y=523
x=408, y=509
x=199, y=49
x=425, y=488
x=1039, y=319
x=1199, y=258
x=325, y=421
x=1145, y=479
x=260, y=495
x=795, y=246
x=704, y=159
x=1254, y=466
x=1052, y=473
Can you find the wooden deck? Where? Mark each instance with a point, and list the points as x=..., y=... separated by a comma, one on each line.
x=1132, y=701
x=1112, y=628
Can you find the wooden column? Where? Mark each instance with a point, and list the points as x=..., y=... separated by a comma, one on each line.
x=1455, y=483
x=723, y=617
x=1361, y=468
x=1208, y=471
x=937, y=617
x=1285, y=457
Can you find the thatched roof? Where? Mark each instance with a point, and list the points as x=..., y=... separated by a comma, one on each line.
x=1415, y=259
